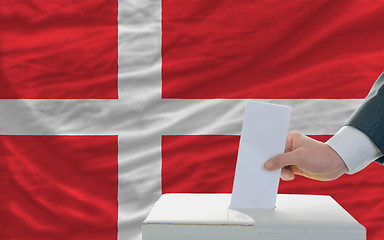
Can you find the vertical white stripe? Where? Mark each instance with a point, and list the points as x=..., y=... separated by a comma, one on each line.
x=139, y=92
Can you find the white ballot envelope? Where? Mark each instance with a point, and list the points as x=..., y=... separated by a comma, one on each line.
x=263, y=136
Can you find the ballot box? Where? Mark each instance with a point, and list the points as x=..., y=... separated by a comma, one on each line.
x=208, y=217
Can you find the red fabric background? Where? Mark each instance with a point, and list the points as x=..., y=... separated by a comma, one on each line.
x=206, y=164
x=271, y=49
x=58, y=187
x=58, y=49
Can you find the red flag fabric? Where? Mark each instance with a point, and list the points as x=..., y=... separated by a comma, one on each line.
x=271, y=49
x=105, y=105
x=58, y=187
x=58, y=50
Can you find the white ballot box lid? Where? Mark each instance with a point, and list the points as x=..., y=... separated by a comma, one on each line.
x=207, y=216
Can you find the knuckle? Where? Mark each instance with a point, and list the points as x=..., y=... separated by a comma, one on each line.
x=294, y=134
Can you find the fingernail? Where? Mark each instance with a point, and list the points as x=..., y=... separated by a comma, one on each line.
x=268, y=165
x=286, y=176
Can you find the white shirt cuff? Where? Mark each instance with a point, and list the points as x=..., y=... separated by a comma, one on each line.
x=355, y=148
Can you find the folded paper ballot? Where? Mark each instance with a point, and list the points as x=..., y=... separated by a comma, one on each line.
x=263, y=135
x=208, y=217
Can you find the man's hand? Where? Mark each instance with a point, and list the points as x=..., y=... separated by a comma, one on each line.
x=307, y=157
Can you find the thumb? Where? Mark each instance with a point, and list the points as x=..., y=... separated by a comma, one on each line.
x=282, y=160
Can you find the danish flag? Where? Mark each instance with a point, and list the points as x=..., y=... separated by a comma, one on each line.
x=107, y=104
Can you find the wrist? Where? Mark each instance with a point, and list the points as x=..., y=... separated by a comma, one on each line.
x=354, y=147
x=340, y=167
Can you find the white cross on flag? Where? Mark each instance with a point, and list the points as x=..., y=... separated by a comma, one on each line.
x=107, y=104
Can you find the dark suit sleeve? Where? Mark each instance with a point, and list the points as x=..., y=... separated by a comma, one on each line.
x=369, y=117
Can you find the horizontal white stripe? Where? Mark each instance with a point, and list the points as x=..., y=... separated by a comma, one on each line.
x=162, y=117
x=222, y=116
